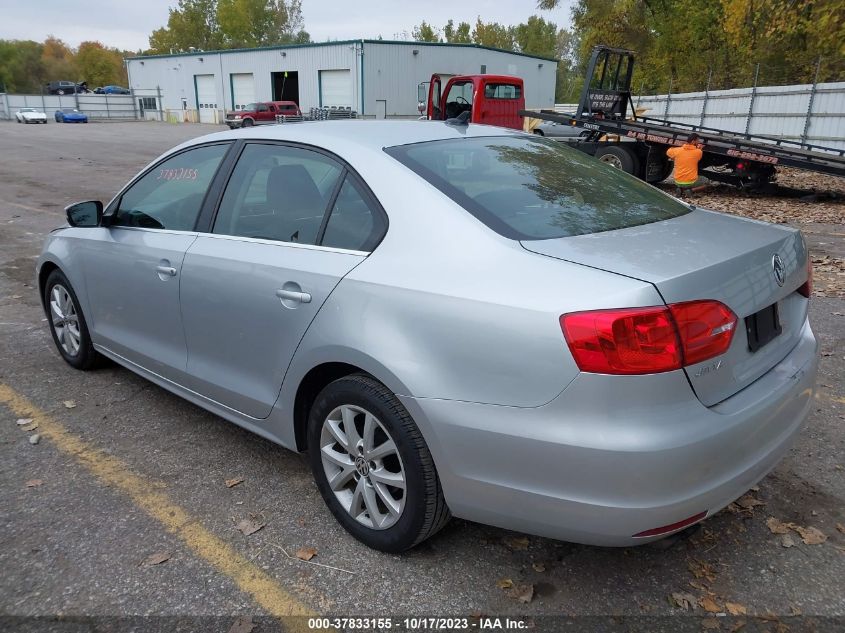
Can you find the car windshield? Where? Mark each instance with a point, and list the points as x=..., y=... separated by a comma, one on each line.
x=251, y=107
x=533, y=189
x=27, y=109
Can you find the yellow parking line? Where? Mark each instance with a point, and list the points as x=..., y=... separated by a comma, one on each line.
x=115, y=473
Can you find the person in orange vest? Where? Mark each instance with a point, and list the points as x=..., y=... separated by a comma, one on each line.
x=686, y=159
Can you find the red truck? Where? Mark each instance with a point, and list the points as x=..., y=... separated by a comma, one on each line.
x=489, y=99
x=261, y=113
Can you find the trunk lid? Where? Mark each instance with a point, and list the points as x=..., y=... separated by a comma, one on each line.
x=707, y=255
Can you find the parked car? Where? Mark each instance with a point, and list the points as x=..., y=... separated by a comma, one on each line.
x=115, y=90
x=62, y=88
x=261, y=113
x=451, y=320
x=30, y=115
x=553, y=129
x=70, y=115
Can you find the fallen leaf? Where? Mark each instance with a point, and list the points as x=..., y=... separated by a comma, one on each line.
x=306, y=553
x=30, y=427
x=231, y=483
x=794, y=610
x=811, y=535
x=778, y=527
x=34, y=439
x=522, y=593
x=708, y=604
x=709, y=624
x=34, y=483
x=156, y=558
x=701, y=569
x=69, y=404
x=749, y=502
x=504, y=583
x=23, y=421
x=540, y=567
x=683, y=600
x=787, y=541
x=249, y=526
x=517, y=542
x=840, y=527
x=740, y=624
x=243, y=624
x=736, y=609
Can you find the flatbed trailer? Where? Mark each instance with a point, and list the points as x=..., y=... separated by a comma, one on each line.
x=637, y=144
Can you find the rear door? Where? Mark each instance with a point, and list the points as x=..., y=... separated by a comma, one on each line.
x=133, y=271
x=252, y=286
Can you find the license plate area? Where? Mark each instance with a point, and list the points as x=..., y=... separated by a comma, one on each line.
x=762, y=327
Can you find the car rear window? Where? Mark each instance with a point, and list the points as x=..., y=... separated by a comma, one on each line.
x=533, y=189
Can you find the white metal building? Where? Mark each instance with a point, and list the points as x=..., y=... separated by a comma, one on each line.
x=377, y=78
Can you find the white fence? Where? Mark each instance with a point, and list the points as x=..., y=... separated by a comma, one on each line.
x=813, y=114
x=141, y=104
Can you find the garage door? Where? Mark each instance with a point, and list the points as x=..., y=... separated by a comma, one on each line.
x=243, y=90
x=206, y=98
x=336, y=88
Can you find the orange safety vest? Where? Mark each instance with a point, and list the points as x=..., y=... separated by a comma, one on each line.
x=686, y=160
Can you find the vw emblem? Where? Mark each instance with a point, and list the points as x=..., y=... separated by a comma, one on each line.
x=778, y=269
x=362, y=466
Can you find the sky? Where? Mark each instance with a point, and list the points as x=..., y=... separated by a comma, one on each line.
x=126, y=24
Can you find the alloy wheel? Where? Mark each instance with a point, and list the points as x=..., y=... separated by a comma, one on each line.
x=363, y=467
x=65, y=319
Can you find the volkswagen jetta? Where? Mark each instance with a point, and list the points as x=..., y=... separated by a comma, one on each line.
x=451, y=320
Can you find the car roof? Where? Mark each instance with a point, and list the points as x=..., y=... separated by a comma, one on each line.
x=337, y=135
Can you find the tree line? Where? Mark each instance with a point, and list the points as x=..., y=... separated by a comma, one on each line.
x=680, y=44
x=26, y=66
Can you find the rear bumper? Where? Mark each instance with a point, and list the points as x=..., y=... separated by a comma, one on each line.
x=613, y=456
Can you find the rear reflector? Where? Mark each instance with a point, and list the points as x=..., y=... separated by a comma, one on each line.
x=648, y=340
x=671, y=527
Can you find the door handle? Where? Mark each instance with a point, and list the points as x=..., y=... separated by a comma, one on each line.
x=166, y=270
x=293, y=295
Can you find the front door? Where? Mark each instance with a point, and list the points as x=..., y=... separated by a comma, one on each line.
x=252, y=287
x=133, y=270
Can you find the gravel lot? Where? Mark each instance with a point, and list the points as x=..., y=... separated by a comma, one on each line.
x=76, y=529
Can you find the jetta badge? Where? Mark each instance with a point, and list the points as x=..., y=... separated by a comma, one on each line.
x=778, y=269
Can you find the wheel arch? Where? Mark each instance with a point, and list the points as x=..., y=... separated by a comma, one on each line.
x=46, y=268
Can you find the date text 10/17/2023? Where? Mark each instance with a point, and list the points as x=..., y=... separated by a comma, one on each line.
x=483, y=623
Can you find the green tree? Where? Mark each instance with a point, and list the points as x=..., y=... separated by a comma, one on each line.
x=460, y=34
x=22, y=66
x=424, y=32
x=494, y=35
x=191, y=24
x=252, y=23
x=537, y=37
x=99, y=65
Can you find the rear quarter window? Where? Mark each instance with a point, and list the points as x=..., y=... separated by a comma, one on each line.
x=529, y=188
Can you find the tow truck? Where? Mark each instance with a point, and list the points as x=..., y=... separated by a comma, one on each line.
x=637, y=144
x=490, y=99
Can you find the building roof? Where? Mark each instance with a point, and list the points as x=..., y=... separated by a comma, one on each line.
x=334, y=43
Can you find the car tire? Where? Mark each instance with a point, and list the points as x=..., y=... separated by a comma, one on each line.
x=539, y=132
x=618, y=157
x=397, y=452
x=247, y=123
x=76, y=348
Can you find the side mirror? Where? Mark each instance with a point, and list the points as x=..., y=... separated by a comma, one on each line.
x=85, y=214
x=421, y=93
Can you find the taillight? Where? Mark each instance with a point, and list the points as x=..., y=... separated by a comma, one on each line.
x=705, y=327
x=806, y=288
x=648, y=340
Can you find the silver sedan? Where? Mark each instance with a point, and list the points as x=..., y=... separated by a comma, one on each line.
x=450, y=320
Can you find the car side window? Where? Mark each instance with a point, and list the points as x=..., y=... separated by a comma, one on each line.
x=353, y=224
x=278, y=193
x=170, y=195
